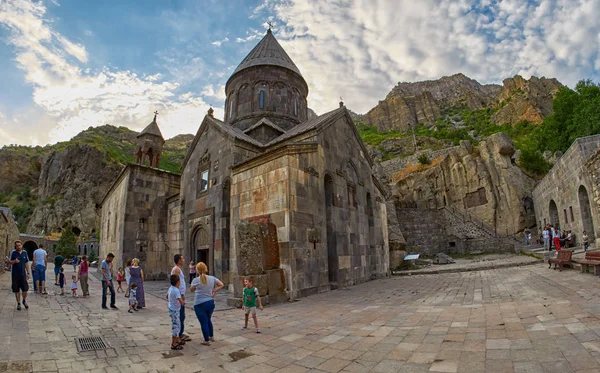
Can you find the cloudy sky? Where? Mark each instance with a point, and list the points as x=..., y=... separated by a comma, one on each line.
x=66, y=65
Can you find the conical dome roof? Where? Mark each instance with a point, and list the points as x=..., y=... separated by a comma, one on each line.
x=267, y=52
x=152, y=129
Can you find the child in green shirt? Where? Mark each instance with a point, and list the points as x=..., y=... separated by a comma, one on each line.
x=250, y=297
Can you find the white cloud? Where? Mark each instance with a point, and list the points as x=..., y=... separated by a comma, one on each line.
x=217, y=92
x=219, y=42
x=360, y=49
x=252, y=34
x=77, y=99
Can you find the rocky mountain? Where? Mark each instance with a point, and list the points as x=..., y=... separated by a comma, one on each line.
x=422, y=103
x=48, y=186
x=529, y=100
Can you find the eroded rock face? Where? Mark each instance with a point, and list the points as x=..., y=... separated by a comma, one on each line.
x=479, y=181
x=71, y=183
x=409, y=104
x=529, y=100
x=19, y=167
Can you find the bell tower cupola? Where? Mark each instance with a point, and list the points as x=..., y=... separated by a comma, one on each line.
x=149, y=145
x=266, y=84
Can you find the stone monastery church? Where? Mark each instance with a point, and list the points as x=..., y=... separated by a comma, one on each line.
x=267, y=192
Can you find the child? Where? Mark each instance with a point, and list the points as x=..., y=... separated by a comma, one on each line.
x=61, y=281
x=586, y=241
x=175, y=304
x=249, y=299
x=120, y=276
x=74, y=285
x=133, y=303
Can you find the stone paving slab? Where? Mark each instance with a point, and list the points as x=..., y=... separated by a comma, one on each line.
x=521, y=319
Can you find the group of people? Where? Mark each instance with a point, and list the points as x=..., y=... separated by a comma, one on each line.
x=553, y=237
x=23, y=268
x=134, y=279
x=204, y=287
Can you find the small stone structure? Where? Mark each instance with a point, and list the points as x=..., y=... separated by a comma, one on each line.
x=140, y=209
x=568, y=195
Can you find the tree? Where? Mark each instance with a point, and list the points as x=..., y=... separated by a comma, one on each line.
x=66, y=244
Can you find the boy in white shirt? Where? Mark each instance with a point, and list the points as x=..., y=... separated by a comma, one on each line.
x=175, y=304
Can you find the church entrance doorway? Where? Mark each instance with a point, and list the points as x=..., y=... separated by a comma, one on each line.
x=332, y=257
x=202, y=247
x=586, y=212
x=553, y=214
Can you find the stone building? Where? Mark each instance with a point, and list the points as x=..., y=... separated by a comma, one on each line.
x=9, y=233
x=568, y=196
x=270, y=193
x=136, y=213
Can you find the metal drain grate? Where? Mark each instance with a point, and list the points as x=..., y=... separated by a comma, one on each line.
x=90, y=344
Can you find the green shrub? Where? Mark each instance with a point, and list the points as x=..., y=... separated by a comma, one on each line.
x=424, y=159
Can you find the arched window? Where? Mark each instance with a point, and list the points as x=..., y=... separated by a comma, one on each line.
x=370, y=210
x=261, y=100
x=231, y=109
x=295, y=106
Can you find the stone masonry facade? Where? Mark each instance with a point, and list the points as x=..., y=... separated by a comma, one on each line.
x=568, y=194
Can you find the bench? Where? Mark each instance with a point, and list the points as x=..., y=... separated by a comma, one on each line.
x=592, y=258
x=563, y=257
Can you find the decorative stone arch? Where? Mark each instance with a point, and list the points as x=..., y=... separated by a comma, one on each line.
x=200, y=243
x=244, y=100
x=279, y=97
x=79, y=249
x=586, y=212
x=553, y=212
x=91, y=249
x=85, y=249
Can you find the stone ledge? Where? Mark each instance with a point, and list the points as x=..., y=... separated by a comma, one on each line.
x=474, y=268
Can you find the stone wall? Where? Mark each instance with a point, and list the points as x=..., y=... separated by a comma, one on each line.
x=206, y=214
x=114, y=208
x=431, y=231
x=175, y=226
x=9, y=233
x=566, y=195
x=135, y=219
x=331, y=219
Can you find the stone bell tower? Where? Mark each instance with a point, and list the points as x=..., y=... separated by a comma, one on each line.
x=149, y=145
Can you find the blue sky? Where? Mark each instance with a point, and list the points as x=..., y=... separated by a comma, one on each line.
x=66, y=65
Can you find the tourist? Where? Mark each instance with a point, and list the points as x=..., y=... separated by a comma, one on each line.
x=74, y=285
x=127, y=276
x=555, y=238
x=178, y=271
x=58, y=262
x=176, y=303
x=586, y=241
x=40, y=260
x=250, y=298
x=107, y=284
x=120, y=275
x=75, y=263
x=82, y=274
x=61, y=280
x=20, y=272
x=546, y=238
x=192, y=269
x=137, y=278
x=527, y=236
x=205, y=287
x=133, y=303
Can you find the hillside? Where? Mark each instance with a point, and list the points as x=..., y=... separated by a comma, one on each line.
x=47, y=186
x=457, y=108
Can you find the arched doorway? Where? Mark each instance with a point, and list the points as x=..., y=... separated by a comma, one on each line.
x=553, y=213
x=30, y=247
x=586, y=212
x=202, y=247
x=332, y=257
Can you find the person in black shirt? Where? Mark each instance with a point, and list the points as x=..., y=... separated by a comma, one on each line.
x=21, y=270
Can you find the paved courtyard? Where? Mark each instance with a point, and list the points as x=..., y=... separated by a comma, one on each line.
x=527, y=319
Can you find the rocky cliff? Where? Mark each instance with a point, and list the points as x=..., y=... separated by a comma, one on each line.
x=421, y=103
x=529, y=100
x=49, y=186
x=481, y=182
